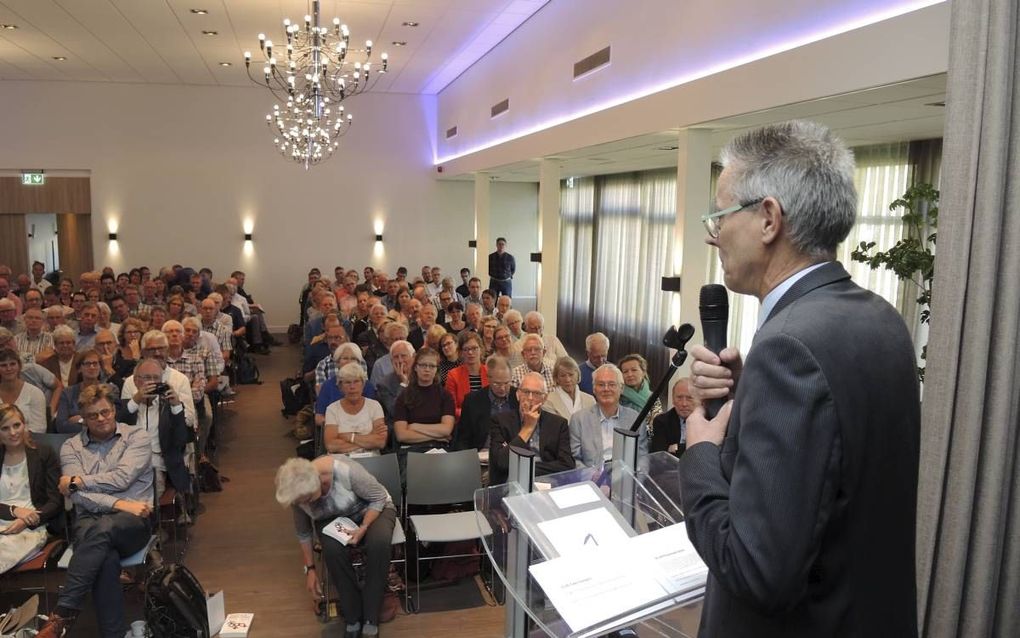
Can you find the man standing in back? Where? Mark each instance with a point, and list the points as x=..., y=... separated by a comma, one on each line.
x=501, y=269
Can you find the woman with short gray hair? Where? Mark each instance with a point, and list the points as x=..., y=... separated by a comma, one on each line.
x=320, y=491
x=565, y=398
x=354, y=425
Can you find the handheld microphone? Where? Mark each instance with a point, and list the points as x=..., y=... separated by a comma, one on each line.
x=714, y=307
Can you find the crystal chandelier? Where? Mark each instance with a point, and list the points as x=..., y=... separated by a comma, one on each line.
x=317, y=72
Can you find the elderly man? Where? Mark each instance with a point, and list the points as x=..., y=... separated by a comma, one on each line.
x=426, y=319
x=480, y=406
x=106, y=347
x=88, y=317
x=383, y=366
x=596, y=350
x=515, y=322
x=163, y=413
x=669, y=429
x=591, y=429
x=195, y=362
x=237, y=322
x=801, y=493
x=534, y=323
x=503, y=306
x=33, y=299
x=389, y=385
x=529, y=427
x=533, y=350
x=9, y=315
x=325, y=304
x=473, y=317
x=108, y=477
x=209, y=310
x=326, y=367
x=5, y=293
x=436, y=284
x=359, y=315
x=33, y=341
x=133, y=298
x=370, y=340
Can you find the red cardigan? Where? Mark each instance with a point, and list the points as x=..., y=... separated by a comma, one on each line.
x=458, y=384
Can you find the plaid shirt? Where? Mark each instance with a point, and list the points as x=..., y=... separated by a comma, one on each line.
x=517, y=375
x=324, y=369
x=29, y=348
x=222, y=333
x=195, y=363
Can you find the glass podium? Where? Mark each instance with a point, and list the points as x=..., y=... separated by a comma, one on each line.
x=590, y=551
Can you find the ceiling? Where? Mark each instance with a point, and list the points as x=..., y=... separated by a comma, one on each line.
x=893, y=113
x=162, y=41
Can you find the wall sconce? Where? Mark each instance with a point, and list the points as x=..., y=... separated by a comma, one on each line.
x=536, y=257
x=247, y=236
x=472, y=243
x=671, y=284
x=378, y=236
x=112, y=236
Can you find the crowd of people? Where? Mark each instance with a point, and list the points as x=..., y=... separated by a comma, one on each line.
x=132, y=366
x=421, y=363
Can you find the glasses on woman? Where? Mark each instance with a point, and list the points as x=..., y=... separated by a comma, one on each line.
x=90, y=363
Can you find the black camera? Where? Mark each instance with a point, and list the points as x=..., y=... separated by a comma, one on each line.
x=161, y=389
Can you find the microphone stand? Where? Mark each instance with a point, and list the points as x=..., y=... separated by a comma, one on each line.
x=673, y=339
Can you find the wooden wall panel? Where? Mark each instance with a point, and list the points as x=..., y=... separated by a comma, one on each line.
x=74, y=241
x=57, y=195
x=14, y=242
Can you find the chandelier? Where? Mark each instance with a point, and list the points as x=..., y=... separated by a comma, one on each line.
x=316, y=71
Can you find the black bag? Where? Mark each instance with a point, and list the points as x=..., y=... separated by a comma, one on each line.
x=209, y=477
x=294, y=400
x=175, y=605
x=247, y=371
x=294, y=333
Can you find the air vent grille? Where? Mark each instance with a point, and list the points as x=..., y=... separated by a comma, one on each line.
x=451, y=132
x=500, y=107
x=591, y=63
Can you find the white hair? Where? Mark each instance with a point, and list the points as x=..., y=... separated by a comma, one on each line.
x=194, y=322
x=531, y=336
x=297, y=478
x=534, y=314
x=63, y=332
x=537, y=378
x=351, y=372
x=609, y=367
x=350, y=349
x=150, y=336
x=401, y=343
x=512, y=314
x=590, y=340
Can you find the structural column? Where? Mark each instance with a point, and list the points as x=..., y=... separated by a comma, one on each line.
x=548, y=289
x=691, y=254
x=484, y=246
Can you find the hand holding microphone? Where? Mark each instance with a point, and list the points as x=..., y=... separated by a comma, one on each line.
x=714, y=372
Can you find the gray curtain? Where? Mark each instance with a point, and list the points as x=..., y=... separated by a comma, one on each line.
x=969, y=493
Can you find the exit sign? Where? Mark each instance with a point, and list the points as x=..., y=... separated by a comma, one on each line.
x=32, y=179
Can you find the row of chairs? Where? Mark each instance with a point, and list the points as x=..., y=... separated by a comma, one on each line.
x=432, y=480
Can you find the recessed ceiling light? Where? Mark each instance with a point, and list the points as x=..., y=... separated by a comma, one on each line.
x=210, y=33
x=399, y=43
x=225, y=64
x=59, y=58
x=410, y=23
x=200, y=12
x=8, y=27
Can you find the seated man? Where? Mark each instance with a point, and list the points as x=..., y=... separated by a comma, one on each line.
x=533, y=350
x=479, y=407
x=390, y=382
x=33, y=341
x=669, y=429
x=529, y=427
x=108, y=477
x=534, y=323
x=326, y=367
x=591, y=430
x=88, y=318
x=596, y=349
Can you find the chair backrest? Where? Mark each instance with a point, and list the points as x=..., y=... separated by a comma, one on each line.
x=386, y=470
x=435, y=479
x=55, y=440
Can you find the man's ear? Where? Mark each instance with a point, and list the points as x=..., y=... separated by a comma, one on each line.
x=771, y=219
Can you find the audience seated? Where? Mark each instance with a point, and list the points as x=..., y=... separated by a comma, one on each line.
x=424, y=412
x=391, y=379
x=14, y=390
x=354, y=425
x=331, y=390
x=669, y=430
x=591, y=430
x=68, y=419
x=480, y=406
x=596, y=351
x=636, y=389
x=534, y=323
x=33, y=341
x=529, y=427
x=449, y=355
x=470, y=375
x=565, y=398
x=532, y=348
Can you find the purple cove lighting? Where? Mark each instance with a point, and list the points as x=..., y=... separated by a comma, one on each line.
x=823, y=33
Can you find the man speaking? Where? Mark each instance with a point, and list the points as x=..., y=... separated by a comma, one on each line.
x=801, y=493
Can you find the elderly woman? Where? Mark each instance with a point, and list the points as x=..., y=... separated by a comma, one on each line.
x=106, y=318
x=29, y=497
x=449, y=355
x=61, y=361
x=515, y=322
x=433, y=335
x=565, y=398
x=15, y=391
x=320, y=491
x=332, y=390
x=470, y=375
x=503, y=345
x=636, y=388
x=424, y=412
x=90, y=371
x=354, y=424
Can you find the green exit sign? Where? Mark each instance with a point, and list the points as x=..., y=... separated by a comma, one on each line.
x=32, y=179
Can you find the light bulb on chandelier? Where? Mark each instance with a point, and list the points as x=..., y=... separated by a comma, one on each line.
x=314, y=75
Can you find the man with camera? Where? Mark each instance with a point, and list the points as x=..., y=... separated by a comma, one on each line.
x=156, y=398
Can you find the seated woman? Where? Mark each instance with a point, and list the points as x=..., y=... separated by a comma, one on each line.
x=433, y=335
x=470, y=375
x=489, y=325
x=29, y=498
x=332, y=390
x=354, y=425
x=322, y=490
x=424, y=412
x=450, y=358
x=565, y=398
x=175, y=308
x=503, y=345
x=455, y=323
x=636, y=388
x=15, y=391
x=130, y=351
x=68, y=419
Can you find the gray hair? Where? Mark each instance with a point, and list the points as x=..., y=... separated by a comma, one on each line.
x=402, y=343
x=149, y=337
x=568, y=364
x=349, y=348
x=194, y=322
x=609, y=367
x=534, y=314
x=590, y=340
x=63, y=332
x=351, y=372
x=496, y=362
x=512, y=314
x=809, y=170
x=531, y=336
x=297, y=478
x=537, y=378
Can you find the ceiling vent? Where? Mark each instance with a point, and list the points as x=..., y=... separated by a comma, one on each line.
x=592, y=63
x=451, y=132
x=500, y=108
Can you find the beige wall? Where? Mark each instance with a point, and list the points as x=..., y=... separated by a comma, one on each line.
x=179, y=170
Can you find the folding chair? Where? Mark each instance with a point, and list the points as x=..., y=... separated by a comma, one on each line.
x=386, y=470
x=443, y=479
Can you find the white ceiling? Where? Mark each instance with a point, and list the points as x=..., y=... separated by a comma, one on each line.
x=161, y=41
x=892, y=113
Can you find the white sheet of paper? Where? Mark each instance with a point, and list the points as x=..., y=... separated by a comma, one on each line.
x=542, y=487
x=583, y=532
x=591, y=587
x=217, y=608
x=672, y=551
x=574, y=495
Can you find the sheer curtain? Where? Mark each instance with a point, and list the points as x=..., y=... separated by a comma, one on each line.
x=577, y=225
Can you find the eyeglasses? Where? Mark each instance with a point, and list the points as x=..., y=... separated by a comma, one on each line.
x=90, y=363
x=606, y=385
x=427, y=366
x=711, y=220
x=470, y=349
x=538, y=394
x=105, y=413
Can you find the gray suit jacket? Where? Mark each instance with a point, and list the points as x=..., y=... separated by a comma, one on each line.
x=805, y=515
x=586, y=436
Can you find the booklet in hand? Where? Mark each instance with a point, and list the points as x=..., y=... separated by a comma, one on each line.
x=341, y=528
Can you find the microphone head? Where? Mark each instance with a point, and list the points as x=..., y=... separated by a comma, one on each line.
x=714, y=303
x=686, y=331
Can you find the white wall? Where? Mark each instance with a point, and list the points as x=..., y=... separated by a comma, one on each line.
x=179, y=169
x=514, y=215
